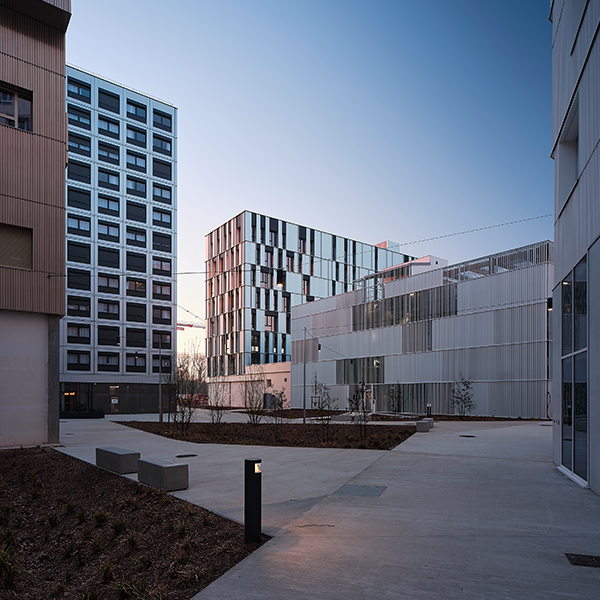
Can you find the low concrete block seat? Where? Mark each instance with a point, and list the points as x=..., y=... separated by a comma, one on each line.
x=162, y=473
x=117, y=460
x=429, y=420
x=423, y=426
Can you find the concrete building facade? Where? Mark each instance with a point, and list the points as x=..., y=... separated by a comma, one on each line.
x=121, y=239
x=575, y=135
x=32, y=222
x=408, y=334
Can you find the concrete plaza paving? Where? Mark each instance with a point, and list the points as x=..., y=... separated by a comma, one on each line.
x=483, y=517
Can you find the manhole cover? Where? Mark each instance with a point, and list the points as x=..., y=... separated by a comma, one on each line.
x=583, y=560
x=466, y=435
x=370, y=491
x=185, y=455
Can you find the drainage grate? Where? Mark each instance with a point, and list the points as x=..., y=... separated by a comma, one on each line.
x=185, y=455
x=466, y=435
x=584, y=560
x=370, y=491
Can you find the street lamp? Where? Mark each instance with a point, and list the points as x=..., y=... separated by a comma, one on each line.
x=160, y=406
x=304, y=384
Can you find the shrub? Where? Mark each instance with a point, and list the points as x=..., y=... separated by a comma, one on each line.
x=8, y=566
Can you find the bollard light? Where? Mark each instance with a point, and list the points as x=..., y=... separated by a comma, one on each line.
x=252, y=499
x=429, y=410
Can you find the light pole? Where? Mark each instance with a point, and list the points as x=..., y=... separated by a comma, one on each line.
x=304, y=384
x=160, y=406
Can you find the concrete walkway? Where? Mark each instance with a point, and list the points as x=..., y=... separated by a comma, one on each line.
x=483, y=517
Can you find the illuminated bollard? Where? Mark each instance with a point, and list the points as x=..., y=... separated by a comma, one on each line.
x=429, y=411
x=252, y=499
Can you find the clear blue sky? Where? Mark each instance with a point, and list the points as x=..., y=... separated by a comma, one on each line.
x=372, y=119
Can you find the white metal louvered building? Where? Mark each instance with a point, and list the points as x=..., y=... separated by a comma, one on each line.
x=575, y=140
x=411, y=334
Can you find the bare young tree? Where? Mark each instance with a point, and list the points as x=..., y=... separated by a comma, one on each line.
x=323, y=404
x=397, y=401
x=219, y=398
x=190, y=381
x=168, y=386
x=275, y=413
x=360, y=405
x=253, y=388
x=461, y=399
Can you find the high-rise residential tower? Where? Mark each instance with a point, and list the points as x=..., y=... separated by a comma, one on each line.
x=119, y=330
x=32, y=222
x=258, y=267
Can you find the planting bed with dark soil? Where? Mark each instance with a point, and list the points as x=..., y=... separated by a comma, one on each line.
x=71, y=530
x=335, y=435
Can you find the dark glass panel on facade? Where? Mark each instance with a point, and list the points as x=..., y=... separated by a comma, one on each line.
x=580, y=317
x=79, y=171
x=580, y=421
x=567, y=315
x=107, y=257
x=78, y=252
x=135, y=338
x=567, y=413
x=108, y=101
x=108, y=336
x=161, y=169
x=136, y=262
x=161, y=242
x=136, y=312
x=78, y=198
x=79, y=280
x=136, y=212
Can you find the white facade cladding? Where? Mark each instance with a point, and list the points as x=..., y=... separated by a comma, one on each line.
x=576, y=135
x=258, y=268
x=121, y=233
x=487, y=319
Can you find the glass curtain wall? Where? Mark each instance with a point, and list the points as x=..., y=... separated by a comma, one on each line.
x=575, y=372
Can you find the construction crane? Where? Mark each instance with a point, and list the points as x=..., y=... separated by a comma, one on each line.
x=181, y=326
x=197, y=324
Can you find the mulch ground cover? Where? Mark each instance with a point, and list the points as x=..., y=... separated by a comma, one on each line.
x=71, y=530
x=335, y=435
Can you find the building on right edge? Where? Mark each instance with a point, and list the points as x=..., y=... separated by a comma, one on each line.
x=408, y=334
x=575, y=134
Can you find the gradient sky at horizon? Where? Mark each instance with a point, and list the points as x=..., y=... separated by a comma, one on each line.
x=376, y=120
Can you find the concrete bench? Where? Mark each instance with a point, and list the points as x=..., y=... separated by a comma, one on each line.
x=429, y=420
x=424, y=425
x=161, y=473
x=117, y=460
